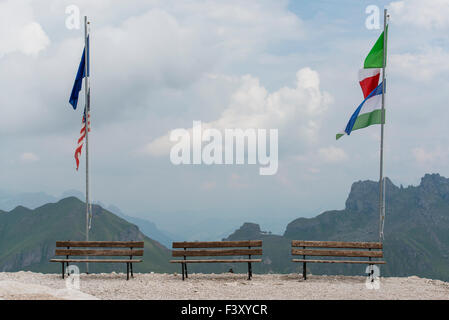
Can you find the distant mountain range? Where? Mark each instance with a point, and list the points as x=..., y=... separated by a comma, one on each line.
x=32, y=200
x=416, y=233
x=178, y=226
x=147, y=227
x=9, y=200
x=28, y=237
x=416, y=230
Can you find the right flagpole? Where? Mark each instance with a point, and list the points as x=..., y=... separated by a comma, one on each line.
x=381, y=179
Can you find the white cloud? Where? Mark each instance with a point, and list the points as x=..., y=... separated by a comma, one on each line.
x=209, y=185
x=332, y=154
x=173, y=45
x=237, y=182
x=29, y=157
x=432, y=14
x=143, y=49
x=313, y=170
x=430, y=157
x=240, y=27
x=18, y=29
x=159, y=146
x=296, y=111
x=422, y=66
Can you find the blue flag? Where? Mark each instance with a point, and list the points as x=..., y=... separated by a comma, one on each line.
x=79, y=77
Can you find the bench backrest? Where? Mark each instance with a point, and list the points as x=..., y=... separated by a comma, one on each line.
x=220, y=248
x=108, y=248
x=358, y=249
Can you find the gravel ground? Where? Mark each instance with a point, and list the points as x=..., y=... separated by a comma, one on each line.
x=29, y=285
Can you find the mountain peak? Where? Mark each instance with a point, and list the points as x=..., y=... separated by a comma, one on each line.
x=71, y=199
x=433, y=179
x=435, y=184
x=22, y=209
x=73, y=193
x=364, y=195
x=247, y=231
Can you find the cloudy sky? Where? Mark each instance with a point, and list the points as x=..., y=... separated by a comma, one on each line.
x=159, y=65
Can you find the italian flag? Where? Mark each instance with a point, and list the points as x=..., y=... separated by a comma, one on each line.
x=369, y=112
x=375, y=57
x=368, y=79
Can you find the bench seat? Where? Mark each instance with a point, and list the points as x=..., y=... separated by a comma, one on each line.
x=235, y=251
x=216, y=261
x=370, y=252
x=97, y=260
x=338, y=261
x=112, y=251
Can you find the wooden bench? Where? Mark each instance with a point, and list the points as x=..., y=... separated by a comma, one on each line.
x=221, y=249
x=370, y=250
x=108, y=249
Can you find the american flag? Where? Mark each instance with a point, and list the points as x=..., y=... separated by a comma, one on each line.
x=81, y=138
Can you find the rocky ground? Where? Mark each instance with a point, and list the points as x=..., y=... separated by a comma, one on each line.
x=29, y=285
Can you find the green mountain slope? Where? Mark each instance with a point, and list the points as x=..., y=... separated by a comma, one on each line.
x=416, y=230
x=28, y=237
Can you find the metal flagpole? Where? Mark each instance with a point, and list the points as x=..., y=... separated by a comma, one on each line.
x=381, y=179
x=86, y=89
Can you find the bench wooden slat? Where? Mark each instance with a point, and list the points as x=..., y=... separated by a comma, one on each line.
x=324, y=249
x=218, y=244
x=225, y=252
x=100, y=244
x=217, y=249
x=337, y=253
x=216, y=261
x=93, y=252
x=339, y=261
x=337, y=244
x=98, y=260
x=107, y=249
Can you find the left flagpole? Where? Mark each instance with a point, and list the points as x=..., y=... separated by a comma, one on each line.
x=86, y=89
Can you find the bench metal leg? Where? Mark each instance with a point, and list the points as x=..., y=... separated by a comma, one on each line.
x=127, y=271
x=63, y=271
x=182, y=267
x=132, y=273
x=304, y=271
x=185, y=270
x=250, y=271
